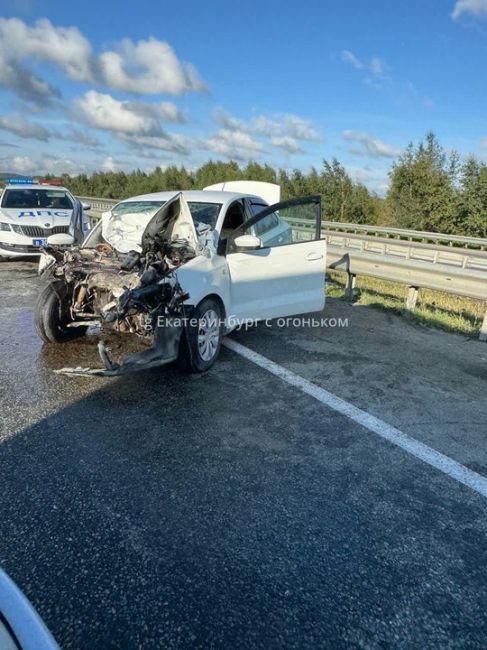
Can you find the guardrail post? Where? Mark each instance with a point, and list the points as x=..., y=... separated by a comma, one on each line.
x=483, y=328
x=412, y=298
x=350, y=286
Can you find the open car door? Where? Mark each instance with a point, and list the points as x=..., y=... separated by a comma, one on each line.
x=278, y=269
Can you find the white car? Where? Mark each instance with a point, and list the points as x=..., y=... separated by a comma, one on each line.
x=21, y=627
x=179, y=270
x=30, y=213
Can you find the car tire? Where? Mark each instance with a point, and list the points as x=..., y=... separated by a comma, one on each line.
x=202, y=337
x=51, y=315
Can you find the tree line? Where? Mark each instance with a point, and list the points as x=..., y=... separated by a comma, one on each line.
x=430, y=189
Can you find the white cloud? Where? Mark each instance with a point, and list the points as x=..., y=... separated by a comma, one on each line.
x=74, y=135
x=108, y=165
x=237, y=145
x=143, y=67
x=166, y=142
x=370, y=146
x=374, y=179
x=148, y=67
x=228, y=121
x=290, y=145
x=283, y=130
x=105, y=112
x=349, y=57
x=48, y=165
x=60, y=166
x=285, y=125
x=376, y=68
x=137, y=124
x=165, y=111
x=23, y=128
x=20, y=165
x=25, y=84
x=65, y=46
x=474, y=7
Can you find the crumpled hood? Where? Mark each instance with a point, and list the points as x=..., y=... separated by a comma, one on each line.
x=43, y=217
x=124, y=231
x=133, y=231
x=172, y=221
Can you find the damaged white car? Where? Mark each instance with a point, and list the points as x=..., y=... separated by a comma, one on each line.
x=177, y=271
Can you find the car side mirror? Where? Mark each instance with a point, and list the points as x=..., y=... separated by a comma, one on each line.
x=247, y=243
x=86, y=206
x=61, y=239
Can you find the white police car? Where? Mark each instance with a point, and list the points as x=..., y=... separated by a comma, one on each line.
x=31, y=212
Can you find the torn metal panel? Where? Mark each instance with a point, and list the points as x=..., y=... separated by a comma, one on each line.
x=165, y=350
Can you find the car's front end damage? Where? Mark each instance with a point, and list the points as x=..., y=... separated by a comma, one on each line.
x=121, y=283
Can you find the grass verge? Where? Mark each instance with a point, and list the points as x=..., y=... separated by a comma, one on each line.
x=434, y=308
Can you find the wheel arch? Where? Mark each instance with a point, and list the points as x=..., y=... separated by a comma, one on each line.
x=214, y=296
x=218, y=299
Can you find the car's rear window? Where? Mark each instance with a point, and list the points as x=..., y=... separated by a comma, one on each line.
x=30, y=198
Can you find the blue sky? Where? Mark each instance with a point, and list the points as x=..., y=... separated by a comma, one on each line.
x=112, y=85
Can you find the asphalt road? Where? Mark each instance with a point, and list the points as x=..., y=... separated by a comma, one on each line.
x=231, y=510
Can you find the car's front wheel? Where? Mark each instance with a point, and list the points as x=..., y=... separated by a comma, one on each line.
x=51, y=314
x=203, y=335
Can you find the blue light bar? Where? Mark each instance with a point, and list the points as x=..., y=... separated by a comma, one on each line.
x=19, y=181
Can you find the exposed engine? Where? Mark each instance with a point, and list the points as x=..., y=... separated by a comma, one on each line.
x=123, y=292
x=124, y=279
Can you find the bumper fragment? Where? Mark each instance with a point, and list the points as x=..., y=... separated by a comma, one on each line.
x=165, y=350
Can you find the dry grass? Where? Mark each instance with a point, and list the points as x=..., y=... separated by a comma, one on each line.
x=434, y=308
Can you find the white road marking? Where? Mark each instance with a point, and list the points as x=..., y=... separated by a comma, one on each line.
x=414, y=447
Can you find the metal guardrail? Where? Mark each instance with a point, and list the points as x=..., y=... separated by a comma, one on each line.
x=408, y=235
x=98, y=206
x=449, y=263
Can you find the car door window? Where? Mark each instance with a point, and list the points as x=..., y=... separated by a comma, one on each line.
x=288, y=222
x=256, y=207
x=234, y=218
x=267, y=223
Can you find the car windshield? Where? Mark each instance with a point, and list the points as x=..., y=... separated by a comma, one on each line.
x=134, y=207
x=205, y=212
x=34, y=198
x=201, y=212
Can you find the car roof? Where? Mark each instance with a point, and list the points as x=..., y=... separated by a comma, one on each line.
x=34, y=186
x=203, y=196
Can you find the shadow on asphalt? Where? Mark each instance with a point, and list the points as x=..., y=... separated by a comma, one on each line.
x=165, y=510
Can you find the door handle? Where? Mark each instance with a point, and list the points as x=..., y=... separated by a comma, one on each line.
x=312, y=257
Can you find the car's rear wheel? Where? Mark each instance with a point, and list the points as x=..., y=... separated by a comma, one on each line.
x=51, y=314
x=202, y=339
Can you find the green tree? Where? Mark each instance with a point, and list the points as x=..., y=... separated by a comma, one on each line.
x=343, y=199
x=337, y=190
x=472, y=203
x=424, y=188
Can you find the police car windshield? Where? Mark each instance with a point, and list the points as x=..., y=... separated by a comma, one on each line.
x=30, y=198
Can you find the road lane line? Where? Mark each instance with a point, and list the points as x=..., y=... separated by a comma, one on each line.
x=414, y=447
